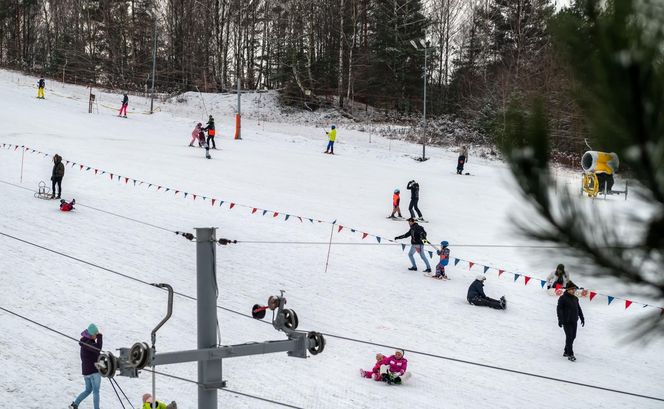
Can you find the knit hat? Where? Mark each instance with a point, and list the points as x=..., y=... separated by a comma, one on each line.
x=480, y=277
x=400, y=350
x=147, y=398
x=570, y=284
x=93, y=330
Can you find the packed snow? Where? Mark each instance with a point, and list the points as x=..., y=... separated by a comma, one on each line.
x=367, y=293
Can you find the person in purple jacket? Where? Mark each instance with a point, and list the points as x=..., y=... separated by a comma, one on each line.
x=91, y=343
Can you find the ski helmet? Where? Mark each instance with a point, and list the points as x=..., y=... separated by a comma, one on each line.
x=396, y=191
x=334, y=127
x=444, y=243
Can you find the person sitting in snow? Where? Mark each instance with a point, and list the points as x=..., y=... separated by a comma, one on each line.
x=444, y=254
x=394, y=368
x=195, y=134
x=375, y=371
x=396, y=199
x=67, y=207
x=148, y=400
x=557, y=279
x=476, y=295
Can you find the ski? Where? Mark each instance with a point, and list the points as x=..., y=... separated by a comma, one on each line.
x=430, y=275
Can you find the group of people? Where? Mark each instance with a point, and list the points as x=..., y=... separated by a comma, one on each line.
x=198, y=135
x=91, y=343
x=390, y=369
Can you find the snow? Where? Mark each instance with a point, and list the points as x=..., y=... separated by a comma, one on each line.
x=366, y=293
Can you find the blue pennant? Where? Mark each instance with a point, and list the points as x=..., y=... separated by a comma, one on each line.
x=486, y=268
x=456, y=261
x=542, y=282
x=264, y=211
x=185, y=194
x=287, y=216
x=311, y=220
x=221, y=202
x=611, y=299
x=377, y=238
x=335, y=221
x=430, y=254
x=403, y=247
x=516, y=276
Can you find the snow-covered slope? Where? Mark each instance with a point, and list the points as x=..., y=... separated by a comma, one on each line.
x=366, y=293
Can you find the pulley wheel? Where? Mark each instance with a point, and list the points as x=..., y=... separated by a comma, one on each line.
x=316, y=343
x=107, y=364
x=139, y=355
x=290, y=319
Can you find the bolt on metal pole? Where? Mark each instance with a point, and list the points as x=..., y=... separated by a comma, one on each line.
x=154, y=62
x=209, y=372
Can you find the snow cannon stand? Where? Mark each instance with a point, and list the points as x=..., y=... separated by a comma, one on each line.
x=598, y=170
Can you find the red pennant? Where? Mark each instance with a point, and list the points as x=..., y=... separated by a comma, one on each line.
x=275, y=214
x=526, y=278
x=627, y=304
x=500, y=272
x=213, y=200
x=95, y=171
x=340, y=228
x=194, y=197
x=17, y=148
x=126, y=180
x=592, y=295
x=470, y=265
x=364, y=235
x=177, y=191
x=81, y=167
x=253, y=210
x=558, y=286
x=231, y=206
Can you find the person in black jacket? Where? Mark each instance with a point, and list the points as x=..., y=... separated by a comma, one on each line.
x=569, y=312
x=417, y=236
x=91, y=343
x=476, y=295
x=56, y=176
x=211, y=132
x=414, y=188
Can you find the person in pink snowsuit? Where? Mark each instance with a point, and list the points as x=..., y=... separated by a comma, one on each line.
x=375, y=371
x=194, y=134
x=397, y=363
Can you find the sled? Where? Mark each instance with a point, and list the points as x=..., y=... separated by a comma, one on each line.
x=43, y=192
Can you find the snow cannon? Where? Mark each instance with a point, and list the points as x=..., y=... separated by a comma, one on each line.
x=600, y=162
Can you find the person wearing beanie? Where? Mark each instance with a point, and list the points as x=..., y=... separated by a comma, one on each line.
x=569, y=312
x=476, y=295
x=91, y=343
x=211, y=133
x=394, y=367
x=56, y=176
x=417, y=236
x=149, y=403
x=557, y=279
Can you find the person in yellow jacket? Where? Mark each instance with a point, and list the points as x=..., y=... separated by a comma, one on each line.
x=147, y=403
x=333, y=137
x=41, y=84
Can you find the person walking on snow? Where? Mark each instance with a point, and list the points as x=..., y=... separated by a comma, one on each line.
x=417, y=236
x=476, y=295
x=148, y=401
x=396, y=199
x=91, y=343
x=125, y=104
x=463, y=158
x=194, y=134
x=414, y=188
x=394, y=367
x=332, y=134
x=56, y=176
x=557, y=279
x=211, y=132
x=41, y=85
x=569, y=312
x=444, y=254
x=375, y=371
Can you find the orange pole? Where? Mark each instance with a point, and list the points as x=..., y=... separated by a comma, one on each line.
x=237, y=126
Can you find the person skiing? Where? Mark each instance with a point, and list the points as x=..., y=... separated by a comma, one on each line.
x=557, y=279
x=414, y=188
x=477, y=297
x=463, y=158
x=91, y=343
x=569, y=312
x=444, y=254
x=332, y=134
x=211, y=132
x=56, y=176
x=394, y=367
x=125, y=103
x=417, y=236
x=67, y=207
x=41, y=85
x=148, y=400
x=194, y=134
x=396, y=199
x=374, y=373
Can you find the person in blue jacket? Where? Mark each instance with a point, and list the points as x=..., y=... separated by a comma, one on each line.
x=476, y=295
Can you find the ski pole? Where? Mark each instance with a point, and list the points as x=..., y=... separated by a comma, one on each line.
x=434, y=247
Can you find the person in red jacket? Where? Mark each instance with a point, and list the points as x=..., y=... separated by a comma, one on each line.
x=396, y=199
x=67, y=207
x=375, y=371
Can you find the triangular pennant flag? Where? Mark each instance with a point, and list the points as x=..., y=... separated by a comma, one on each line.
x=287, y=216
x=500, y=272
x=627, y=304
x=644, y=305
x=275, y=214
x=17, y=148
x=299, y=218
x=456, y=261
x=103, y=171
x=167, y=189
x=73, y=164
x=353, y=231
x=221, y=202
x=88, y=168
x=253, y=210
x=134, y=182
x=264, y=211
x=204, y=197
x=364, y=235
x=526, y=279
x=141, y=184
x=119, y=177
x=403, y=247
x=185, y=194
x=149, y=185
x=177, y=191
x=126, y=180
x=470, y=265
x=159, y=187
x=543, y=282
x=516, y=276
x=96, y=170
x=430, y=254
x=81, y=168
x=334, y=222
x=378, y=239
x=213, y=200
x=111, y=175
x=232, y=205
x=340, y=228
x=486, y=268
x=592, y=295
x=610, y=299
x=194, y=196
x=311, y=220
x=33, y=151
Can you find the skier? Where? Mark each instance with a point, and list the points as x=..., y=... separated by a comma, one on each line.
x=211, y=132
x=557, y=279
x=125, y=103
x=41, y=85
x=91, y=343
x=67, y=207
x=444, y=254
x=414, y=188
x=57, y=175
x=463, y=158
x=569, y=312
x=147, y=403
x=396, y=199
x=194, y=134
x=332, y=134
x=375, y=371
x=394, y=368
x=417, y=236
x=476, y=295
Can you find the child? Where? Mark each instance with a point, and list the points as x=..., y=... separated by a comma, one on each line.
x=375, y=371
x=394, y=368
x=147, y=403
x=125, y=104
x=396, y=199
x=67, y=207
x=195, y=134
x=463, y=158
x=444, y=254
x=333, y=137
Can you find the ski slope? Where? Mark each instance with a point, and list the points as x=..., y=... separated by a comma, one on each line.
x=366, y=293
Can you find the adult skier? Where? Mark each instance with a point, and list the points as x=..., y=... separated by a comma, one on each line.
x=557, y=279
x=463, y=158
x=417, y=236
x=125, y=104
x=91, y=343
x=56, y=176
x=477, y=297
x=396, y=199
x=211, y=132
x=41, y=85
x=332, y=134
x=569, y=312
x=414, y=188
